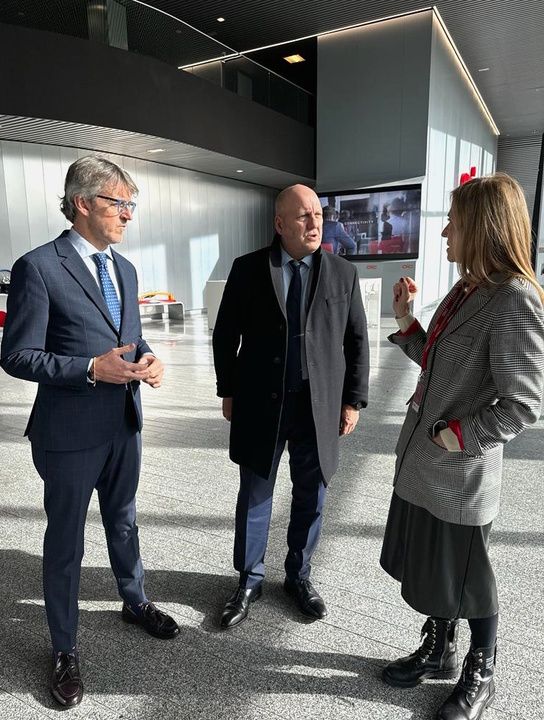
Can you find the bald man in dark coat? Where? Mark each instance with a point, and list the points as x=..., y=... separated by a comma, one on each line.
x=288, y=378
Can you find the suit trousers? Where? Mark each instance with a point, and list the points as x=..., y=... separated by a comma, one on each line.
x=254, y=505
x=69, y=480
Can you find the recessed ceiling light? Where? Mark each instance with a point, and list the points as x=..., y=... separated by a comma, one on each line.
x=239, y=171
x=220, y=19
x=483, y=69
x=291, y=59
x=156, y=150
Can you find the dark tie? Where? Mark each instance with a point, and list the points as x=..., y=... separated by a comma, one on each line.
x=293, y=379
x=108, y=288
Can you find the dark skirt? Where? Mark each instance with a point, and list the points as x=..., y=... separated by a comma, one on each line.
x=443, y=568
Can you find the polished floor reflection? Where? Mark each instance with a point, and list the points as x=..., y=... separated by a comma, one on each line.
x=277, y=664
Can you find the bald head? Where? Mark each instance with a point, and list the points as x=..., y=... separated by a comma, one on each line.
x=293, y=193
x=299, y=220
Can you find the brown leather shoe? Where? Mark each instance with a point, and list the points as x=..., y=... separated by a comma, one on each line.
x=309, y=600
x=66, y=684
x=153, y=621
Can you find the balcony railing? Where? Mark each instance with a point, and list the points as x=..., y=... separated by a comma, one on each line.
x=137, y=27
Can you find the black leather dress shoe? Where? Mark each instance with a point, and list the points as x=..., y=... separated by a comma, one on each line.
x=153, y=621
x=309, y=600
x=66, y=684
x=237, y=607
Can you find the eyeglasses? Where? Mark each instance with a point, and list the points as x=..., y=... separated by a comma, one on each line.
x=122, y=205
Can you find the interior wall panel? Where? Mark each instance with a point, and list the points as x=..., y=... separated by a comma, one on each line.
x=5, y=245
x=372, y=103
x=519, y=158
x=459, y=137
x=187, y=229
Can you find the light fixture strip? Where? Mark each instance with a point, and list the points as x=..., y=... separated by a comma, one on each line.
x=210, y=60
x=336, y=30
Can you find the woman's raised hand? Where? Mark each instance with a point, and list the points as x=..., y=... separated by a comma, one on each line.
x=404, y=291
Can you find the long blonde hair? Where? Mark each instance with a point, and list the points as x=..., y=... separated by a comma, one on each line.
x=494, y=231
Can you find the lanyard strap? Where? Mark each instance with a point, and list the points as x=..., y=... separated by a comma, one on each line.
x=444, y=319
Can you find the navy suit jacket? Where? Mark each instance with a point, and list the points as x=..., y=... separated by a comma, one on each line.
x=57, y=320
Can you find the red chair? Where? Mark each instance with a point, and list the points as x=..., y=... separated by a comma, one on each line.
x=386, y=247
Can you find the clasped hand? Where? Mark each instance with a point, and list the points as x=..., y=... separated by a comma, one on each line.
x=113, y=368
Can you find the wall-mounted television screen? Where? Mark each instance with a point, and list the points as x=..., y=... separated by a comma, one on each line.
x=372, y=224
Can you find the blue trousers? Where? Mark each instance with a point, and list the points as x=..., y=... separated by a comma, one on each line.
x=254, y=505
x=69, y=480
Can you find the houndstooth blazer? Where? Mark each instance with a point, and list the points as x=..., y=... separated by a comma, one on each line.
x=486, y=370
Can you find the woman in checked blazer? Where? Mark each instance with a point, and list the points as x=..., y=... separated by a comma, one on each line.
x=481, y=383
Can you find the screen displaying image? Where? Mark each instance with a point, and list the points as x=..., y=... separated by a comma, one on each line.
x=379, y=223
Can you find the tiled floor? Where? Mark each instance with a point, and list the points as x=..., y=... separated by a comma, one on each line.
x=276, y=665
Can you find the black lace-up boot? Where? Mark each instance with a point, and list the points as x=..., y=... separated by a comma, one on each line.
x=475, y=690
x=435, y=659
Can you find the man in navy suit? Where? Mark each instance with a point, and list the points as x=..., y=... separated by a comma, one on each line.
x=73, y=326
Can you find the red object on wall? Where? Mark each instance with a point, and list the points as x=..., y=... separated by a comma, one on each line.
x=2, y=318
x=465, y=177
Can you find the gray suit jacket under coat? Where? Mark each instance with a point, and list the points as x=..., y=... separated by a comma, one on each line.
x=487, y=371
x=250, y=344
x=57, y=320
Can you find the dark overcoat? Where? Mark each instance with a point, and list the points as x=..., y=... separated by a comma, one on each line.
x=250, y=350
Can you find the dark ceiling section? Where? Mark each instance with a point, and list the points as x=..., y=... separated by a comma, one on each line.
x=149, y=32
x=55, y=15
x=255, y=23
x=303, y=74
x=505, y=36
x=155, y=35
x=501, y=41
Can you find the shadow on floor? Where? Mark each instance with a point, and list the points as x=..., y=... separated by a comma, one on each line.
x=204, y=672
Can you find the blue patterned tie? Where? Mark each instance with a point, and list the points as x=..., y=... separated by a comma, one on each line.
x=108, y=288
